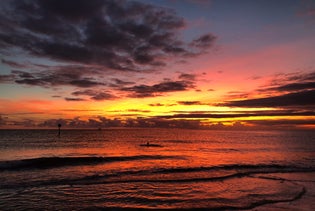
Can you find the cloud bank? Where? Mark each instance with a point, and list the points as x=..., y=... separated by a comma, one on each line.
x=296, y=90
x=119, y=35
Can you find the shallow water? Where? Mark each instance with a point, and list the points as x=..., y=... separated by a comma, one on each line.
x=91, y=169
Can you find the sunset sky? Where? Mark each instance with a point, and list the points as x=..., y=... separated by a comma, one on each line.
x=157, y=63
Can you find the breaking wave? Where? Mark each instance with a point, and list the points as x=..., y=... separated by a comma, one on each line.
x=54, y=162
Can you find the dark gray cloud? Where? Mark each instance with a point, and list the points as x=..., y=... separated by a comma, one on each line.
x=95, y=94
x=294, y=86
x=120, y=35
x=85, y=83
x=187, y=77
x=71, y=75
x=292, y=99
x=185, y=82
x=103, y=96
x=286, y=90
x=204, y=41
x=158, y=89
x=289, y=78
x=21, y=74
x=216, y=115
x=47, y=80
x=291, y=82
x=120, y=83
x=237, y=94
x=6, y=78
x=88, y=92
x=74, y=99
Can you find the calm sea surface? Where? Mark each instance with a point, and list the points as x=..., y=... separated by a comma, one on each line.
x=151, y=168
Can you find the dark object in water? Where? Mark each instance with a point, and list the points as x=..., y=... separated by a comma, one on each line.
x=59, y=126
x=150, y=145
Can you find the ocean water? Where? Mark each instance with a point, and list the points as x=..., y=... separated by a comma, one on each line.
x=156, y=169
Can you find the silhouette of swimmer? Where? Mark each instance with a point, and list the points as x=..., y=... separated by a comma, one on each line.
x=59, y=126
